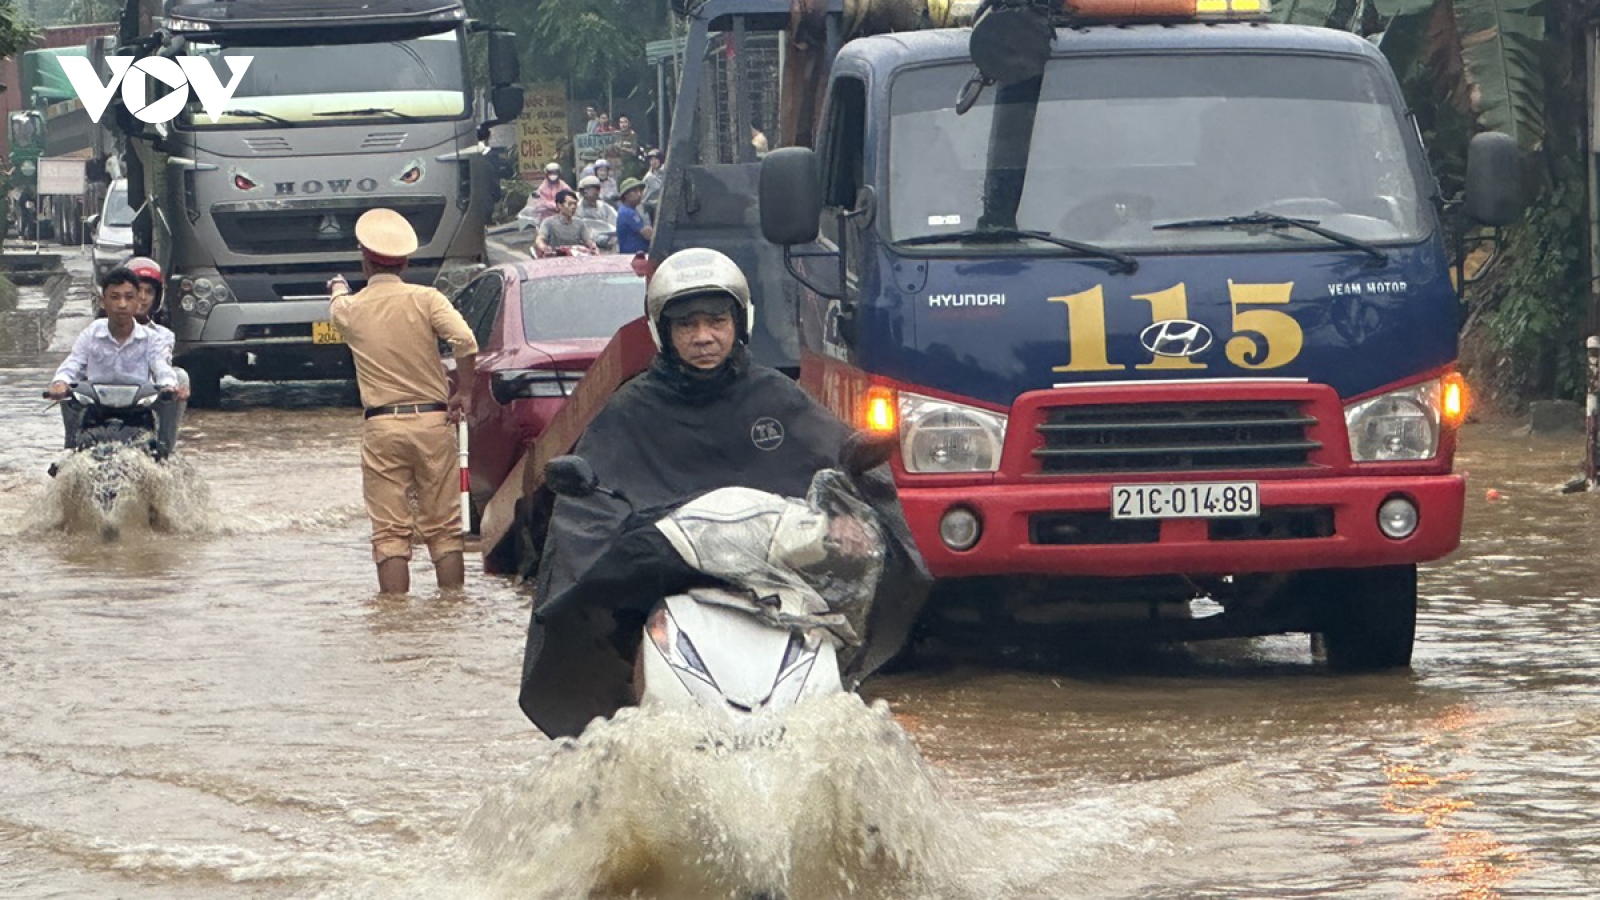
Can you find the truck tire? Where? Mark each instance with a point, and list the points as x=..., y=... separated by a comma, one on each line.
x=205, y=384
x=1368, y=617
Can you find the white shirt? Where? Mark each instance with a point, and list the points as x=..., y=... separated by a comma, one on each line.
x=97, y=358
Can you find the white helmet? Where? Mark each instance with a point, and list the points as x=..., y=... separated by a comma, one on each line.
x=696, y=272
x=588, y=181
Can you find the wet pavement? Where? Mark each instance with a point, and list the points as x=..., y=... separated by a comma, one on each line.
x=228, y=710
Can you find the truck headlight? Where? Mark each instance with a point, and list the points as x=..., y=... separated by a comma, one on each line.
x=940, y=436
x=1399, y=425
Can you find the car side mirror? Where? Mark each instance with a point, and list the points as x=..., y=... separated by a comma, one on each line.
x=92, y=222
x=1494, y=193
x=791, y=196
x=571, y=476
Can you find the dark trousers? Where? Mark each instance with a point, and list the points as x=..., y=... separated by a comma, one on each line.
x=168, y=418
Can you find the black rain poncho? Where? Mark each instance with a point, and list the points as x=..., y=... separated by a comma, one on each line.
x=664, y=438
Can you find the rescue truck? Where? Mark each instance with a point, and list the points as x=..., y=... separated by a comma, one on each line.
x=1158, y=299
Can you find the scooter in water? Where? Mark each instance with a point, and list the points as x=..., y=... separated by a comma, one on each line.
x=113, y=420
x=788, y=587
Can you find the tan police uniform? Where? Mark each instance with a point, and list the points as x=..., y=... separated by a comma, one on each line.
x=408, y=442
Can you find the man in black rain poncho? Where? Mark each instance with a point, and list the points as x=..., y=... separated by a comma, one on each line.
x=702, y=417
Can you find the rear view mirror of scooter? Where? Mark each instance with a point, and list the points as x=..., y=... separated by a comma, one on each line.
x=571, y=476
x=864, y=452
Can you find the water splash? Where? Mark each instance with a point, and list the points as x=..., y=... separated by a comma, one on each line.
x=113, y=490
x=835, y=801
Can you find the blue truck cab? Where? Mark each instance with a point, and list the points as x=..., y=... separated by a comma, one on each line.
x=1170, y=318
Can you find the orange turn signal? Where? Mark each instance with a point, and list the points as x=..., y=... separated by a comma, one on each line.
x=1453, y=399
x=881, y=414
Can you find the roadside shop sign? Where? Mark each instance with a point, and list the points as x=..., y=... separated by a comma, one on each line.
x=61, y=175
x=542, y=127
x=589, y=147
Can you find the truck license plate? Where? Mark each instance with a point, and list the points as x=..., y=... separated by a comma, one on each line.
x=325, y=333
x=1190, y=500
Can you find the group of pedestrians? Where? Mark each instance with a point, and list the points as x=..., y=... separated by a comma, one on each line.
x=600, y=213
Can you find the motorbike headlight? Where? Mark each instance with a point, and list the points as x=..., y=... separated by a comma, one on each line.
x=675, y=645
x=940, y=436
x=1398, y=425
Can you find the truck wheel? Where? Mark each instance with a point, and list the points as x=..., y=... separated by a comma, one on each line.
x=1368, y=617
x=205, y=385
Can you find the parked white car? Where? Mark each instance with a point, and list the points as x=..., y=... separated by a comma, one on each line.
x=113, y=237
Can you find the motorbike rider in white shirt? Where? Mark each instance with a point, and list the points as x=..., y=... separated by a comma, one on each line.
x=118, y=350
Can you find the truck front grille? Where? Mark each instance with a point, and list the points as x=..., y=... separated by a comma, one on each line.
x=316, y=227
x=1175, y=437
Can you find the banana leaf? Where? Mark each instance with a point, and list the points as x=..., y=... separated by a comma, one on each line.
x=1501, y=44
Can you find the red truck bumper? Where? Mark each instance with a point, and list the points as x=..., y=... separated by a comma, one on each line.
x=1067, y=530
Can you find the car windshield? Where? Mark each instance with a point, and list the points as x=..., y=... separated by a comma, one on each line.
x=118, y=213
x=580, y=306
x=1124, y=143
x=384, y=82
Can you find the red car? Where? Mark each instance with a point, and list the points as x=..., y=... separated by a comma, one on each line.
x=539, y=324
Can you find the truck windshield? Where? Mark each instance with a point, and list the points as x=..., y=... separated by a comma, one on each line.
x=1121, y=144
x=322, y=85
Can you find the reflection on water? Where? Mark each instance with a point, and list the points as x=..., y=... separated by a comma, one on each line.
x=1471, y=863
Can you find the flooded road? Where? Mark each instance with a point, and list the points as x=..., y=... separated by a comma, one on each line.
x=230, y=711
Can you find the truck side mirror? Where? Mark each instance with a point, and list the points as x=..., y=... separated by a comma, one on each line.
x=791, y=196
x=504, y=65
x=1494, y=179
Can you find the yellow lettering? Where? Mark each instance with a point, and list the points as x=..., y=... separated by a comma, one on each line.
x=1086, y=332
x=1281, y=334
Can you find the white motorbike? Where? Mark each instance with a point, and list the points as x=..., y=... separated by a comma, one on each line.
x=795, y=585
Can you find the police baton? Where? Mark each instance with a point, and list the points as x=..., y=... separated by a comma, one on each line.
x=466, y=480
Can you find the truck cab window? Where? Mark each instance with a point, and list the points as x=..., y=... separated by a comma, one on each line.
x=844, y=155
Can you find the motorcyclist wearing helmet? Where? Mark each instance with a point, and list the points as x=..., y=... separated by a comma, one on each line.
x=702, y=416
x=151, y=287
x=591, y=208
x=600, y=215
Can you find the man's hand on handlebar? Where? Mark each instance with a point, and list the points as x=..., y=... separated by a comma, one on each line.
x=58, y=390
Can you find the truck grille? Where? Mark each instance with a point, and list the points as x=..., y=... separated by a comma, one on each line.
x=1175, y=437
x=318, y=227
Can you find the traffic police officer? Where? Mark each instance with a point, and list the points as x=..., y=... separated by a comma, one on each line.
x=393, y=329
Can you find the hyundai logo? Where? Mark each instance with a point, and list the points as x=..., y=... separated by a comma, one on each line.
x=1176, y=337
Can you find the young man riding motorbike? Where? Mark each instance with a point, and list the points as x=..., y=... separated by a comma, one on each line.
x=702, y=417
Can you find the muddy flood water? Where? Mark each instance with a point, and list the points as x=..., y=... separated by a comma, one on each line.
x=229, y=710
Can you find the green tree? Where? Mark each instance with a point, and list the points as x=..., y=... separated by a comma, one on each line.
x=1515, y=66
x=597, y=46
x=16, y=33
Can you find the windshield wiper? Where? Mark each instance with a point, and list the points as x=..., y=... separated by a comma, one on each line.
x=1259, y=219
x=1125, y=263
x=368, y=111
x=257, y=114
